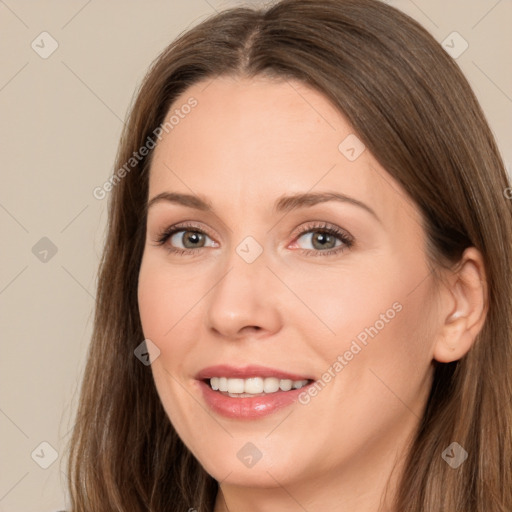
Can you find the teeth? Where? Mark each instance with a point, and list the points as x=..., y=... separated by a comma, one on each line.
x=254, y=385
x=270, y=385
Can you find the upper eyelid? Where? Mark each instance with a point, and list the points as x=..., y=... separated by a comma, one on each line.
x=303, y=229
x=179, y=227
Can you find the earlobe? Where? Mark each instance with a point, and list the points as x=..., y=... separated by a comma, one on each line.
x=455, y=340
x=467, y=310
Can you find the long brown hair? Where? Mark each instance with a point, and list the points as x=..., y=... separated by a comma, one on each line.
x=414, y=110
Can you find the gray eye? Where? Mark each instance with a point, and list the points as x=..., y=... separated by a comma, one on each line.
x=189, y=238
x=321, y=240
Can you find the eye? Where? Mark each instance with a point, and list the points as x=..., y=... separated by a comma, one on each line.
x=189, y=236
x=326, y=239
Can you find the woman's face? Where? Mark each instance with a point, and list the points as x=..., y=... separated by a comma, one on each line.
x=279, y=274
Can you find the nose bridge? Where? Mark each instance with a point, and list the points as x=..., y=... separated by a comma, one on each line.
x=243, y=296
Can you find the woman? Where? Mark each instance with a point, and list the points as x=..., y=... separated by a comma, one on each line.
x=304, y=300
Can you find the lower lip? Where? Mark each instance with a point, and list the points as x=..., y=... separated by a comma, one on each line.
x=248, y=407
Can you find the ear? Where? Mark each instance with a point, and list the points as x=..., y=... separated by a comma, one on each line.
x=465, y=308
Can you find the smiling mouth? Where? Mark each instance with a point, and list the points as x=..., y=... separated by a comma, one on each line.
x=254, y=386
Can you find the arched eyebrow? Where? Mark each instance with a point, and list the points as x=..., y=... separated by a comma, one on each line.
x=288, y=203
x=192, y=201
x=283, y=204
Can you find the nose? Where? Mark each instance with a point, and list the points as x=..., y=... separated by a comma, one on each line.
x=245, y=301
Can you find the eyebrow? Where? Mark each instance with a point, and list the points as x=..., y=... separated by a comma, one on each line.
x=283, y=204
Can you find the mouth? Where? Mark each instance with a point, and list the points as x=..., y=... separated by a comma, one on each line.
x=253, y=386
x=250, y=392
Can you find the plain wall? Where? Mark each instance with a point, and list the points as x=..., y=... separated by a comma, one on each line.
x=61, y=118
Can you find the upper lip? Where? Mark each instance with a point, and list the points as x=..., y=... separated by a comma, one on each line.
x=246, y=372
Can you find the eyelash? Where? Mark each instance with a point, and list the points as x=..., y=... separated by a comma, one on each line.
x=325, y=228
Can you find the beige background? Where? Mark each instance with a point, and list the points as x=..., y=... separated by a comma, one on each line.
x=59, y=126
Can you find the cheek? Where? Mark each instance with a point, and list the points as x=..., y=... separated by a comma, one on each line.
x=350, y=301
x=377, y=365
x=166, y=299
x=380, y=317
x=155, y=302
x=387, y=350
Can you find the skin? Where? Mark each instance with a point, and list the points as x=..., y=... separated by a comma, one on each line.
x=247, y=143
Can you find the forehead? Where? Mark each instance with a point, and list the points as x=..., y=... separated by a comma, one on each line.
x=248, y=141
